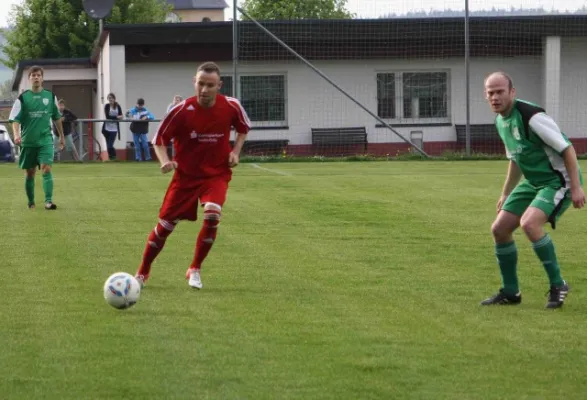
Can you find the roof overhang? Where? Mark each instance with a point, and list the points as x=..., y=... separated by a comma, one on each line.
x=48, y=63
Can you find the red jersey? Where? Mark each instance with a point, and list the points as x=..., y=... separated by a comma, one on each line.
x=201, y=136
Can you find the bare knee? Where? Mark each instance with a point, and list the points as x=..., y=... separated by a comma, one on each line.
x=45, y=168
x=30, y=173
x=212, y=214
x=504, y=226
x=500, y=231
x=532, y=225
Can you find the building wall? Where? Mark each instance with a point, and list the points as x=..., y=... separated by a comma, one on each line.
x=198, y=15
x=60, y=73
x=573, y=87
x=111, y=73
x=313, y=102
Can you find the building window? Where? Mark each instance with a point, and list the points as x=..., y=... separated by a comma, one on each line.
x=264, y=99
x=386, y=96
x=413, y=96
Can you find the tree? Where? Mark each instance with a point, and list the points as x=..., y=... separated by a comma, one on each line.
x=300, y=9
x=62, y=29
x=6, y=92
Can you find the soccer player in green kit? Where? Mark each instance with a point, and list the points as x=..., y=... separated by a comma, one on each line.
x=31, y=118
x=538, y=150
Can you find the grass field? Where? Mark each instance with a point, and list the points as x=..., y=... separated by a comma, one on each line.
x=327, y=281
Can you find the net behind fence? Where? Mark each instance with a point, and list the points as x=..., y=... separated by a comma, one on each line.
x=410, y=73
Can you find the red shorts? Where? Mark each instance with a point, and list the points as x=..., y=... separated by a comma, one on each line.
x=181, y=203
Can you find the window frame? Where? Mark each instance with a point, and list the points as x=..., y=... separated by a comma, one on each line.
x=267, y=123
x=399, y=96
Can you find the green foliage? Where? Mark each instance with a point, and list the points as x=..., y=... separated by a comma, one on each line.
x=6, y=92
x=62, y=29
x=301, y=9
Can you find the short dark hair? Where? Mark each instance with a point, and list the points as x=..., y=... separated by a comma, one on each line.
x=61, y=101
x=141, y=102
x=36, y=68
x=209, y=67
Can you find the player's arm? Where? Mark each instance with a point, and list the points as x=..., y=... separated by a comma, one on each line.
x=550, y=133
x=572, y=166
x=59, y=125
x=239, y=142
x=15, y=118
x=169, y=129
x=57, y=117
x=16, y=133
x=512, y=178
x=242, y=124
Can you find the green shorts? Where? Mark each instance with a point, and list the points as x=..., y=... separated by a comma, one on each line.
x=554, y=201
x=33, y=157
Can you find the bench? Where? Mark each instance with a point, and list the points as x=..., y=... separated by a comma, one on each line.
x=484, y=138
x=340, y=137
x=263, y=146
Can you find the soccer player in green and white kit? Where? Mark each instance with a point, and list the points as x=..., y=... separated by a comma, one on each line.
x=31, y=116
x=538, y=150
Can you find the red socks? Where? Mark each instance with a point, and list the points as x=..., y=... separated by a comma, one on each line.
x=206, y=237
x=154, y=245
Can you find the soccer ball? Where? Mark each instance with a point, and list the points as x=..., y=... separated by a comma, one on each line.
x=122, y=290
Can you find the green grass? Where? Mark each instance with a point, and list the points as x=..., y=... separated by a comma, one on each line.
x=327, y=281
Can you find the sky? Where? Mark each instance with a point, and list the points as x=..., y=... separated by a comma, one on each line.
x=6, y=6
x=377, y=8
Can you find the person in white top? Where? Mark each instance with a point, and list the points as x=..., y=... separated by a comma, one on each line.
x=110, y=129
x=176, y=100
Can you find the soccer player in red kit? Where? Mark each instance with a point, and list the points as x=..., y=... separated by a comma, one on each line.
x=200, y=128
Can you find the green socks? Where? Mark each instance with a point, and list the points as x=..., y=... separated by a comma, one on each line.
x=29, y=186
x=48, y=187
x=507, y=258
x=544, y=249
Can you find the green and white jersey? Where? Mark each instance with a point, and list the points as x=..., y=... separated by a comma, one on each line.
x=535, y=143
x=34, y=112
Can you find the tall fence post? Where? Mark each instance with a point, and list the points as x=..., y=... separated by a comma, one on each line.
x=467, y=84
x=235, y=85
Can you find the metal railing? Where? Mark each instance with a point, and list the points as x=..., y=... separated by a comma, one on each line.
x=85, y=135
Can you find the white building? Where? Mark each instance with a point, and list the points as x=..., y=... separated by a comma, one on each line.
x=196, y=10
x=410, y=72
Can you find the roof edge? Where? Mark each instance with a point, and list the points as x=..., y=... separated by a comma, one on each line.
x=44, y=62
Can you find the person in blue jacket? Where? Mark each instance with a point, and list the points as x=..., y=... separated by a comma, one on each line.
x=140, y=128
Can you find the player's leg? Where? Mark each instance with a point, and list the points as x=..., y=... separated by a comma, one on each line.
x=506, y=251
x=29, y=185
x=46, y=162
x=154, y=246
x=212, y=199
x=177, y=205
x=548, y=206
x=28, y=161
